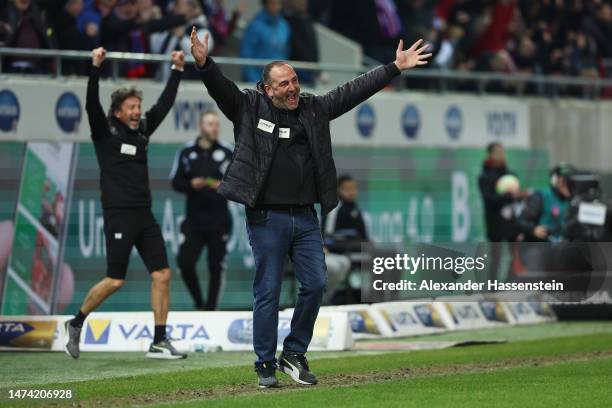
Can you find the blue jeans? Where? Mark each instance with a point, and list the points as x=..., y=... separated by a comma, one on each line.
x=274, y=235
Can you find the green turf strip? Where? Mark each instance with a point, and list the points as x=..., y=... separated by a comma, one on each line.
x=163, y=386
x=44, y=368
x=564, y=384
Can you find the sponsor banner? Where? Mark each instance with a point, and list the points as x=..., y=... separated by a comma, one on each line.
x=530, y=312
x=409, y=318
x=387, y=119
x=64, y=117
x=365, y=321
x=27, y=333
x=39, y=228
x=494, y=311
x=193, y=331
x=9, y=112
x=472, y=315
x=431, y=120
x=331, y=331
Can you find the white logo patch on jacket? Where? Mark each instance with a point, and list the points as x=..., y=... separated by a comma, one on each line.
x=284, y=133
x=128, y=149
x=218, y=155
x=265, y=125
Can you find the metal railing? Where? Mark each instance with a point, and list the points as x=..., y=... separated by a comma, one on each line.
x=436, y=80
x=114, y=58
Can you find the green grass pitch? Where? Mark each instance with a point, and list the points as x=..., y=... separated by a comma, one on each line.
x=549, y=365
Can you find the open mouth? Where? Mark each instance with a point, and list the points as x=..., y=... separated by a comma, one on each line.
x=292, y=99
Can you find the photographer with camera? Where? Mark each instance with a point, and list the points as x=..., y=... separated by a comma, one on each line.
x=543, y=216
x=560, y=239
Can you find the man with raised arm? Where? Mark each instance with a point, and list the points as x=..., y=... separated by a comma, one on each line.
x=282, y=165
x=121, y=139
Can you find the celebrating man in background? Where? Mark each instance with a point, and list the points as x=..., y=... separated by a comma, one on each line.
x=121, y=141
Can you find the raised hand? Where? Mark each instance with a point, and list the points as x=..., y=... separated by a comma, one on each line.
x=411, y=57
x=97, y=56
x=178, y=59
x=199, y=49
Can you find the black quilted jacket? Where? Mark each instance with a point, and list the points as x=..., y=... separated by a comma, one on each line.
x=255, y=147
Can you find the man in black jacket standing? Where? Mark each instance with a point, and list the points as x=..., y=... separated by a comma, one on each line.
x=347, y=217
x=197, y=172
x=499, y=218
x=500, y=227
x=282, y=165
x=121, y=142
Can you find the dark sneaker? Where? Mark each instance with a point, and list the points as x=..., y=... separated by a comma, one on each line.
x=296, y=366
x=266, y=372
x=164, y=350
x=73, y=336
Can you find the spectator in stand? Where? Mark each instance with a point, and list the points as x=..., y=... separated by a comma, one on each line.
x=525, y=60
x=417, y=17
x=266, y=37
x=88, y=22
x=495, y=35
x=549, y=54
x=599, y=27
x=64, y=22
x=220, y=24
x=471, y=17
x=375, y=24
x=22, y=25
x=178, y=38
x=583, y=56
x=419, y=21
x=320, y=10
x=128, y=28
x=304, y=44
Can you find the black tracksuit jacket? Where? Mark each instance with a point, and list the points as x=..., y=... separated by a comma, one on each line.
x=205, y=208
x=121, y=151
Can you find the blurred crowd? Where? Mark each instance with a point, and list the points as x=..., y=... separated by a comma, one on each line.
x=280, y=30
x=556, y=37
x=553, y=37
x=143, y=26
